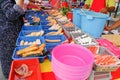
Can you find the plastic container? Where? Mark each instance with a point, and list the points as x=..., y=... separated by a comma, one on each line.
x=47, y=31
x=49, y=48
x=31, y=27
x=18, y=57
x=33, y=64
x=45, y=27
x=29, y=14
x=29, y=39
x=109, y=45
x=68, y=30
x=76, y=17
x=91, y=22
x=82, y=38
x=24, y=33
x=44, y=23
x=100, y=76
x=106, y=68
x=69, y=63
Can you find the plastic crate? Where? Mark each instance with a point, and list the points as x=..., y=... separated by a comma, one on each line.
x=37, y=27
x=106, y=68
x=45, y=27
x=100, y=76
x=83, y=39
x=55, y=37
x=26, y=32
x=49, y=56
x=29, y=39
x=68, y=30
x=47, y=31
x=44, y=23
x=30, y=13
x=43, y=16
x=35, y=13
x=49, y=48
x=18, y=57
x=33, y=64
x=44, y=19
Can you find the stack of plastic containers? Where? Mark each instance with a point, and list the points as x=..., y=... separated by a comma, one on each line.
x=50, y=45
x=72, y=62
x=27, y=36
x=34, y=33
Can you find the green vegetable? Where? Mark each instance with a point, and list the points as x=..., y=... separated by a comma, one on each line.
x=65, y=10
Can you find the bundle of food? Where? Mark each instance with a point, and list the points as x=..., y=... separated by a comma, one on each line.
x=39, y=33
x=69, y=24
x=106, y=63
x=36, y=19
x=51, y=22
x=94, y=49
x=31, y=50
x=22, y=42
x=59, y=32
x=54, y=27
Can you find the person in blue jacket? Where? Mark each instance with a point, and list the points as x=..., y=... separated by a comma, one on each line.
x=11, y=21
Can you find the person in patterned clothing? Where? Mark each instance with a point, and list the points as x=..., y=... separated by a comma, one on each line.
x=11, y=21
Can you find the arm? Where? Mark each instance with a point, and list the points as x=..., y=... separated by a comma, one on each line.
x=113, y=26
x=110, y=5
x=27, y=2
x=87, y=4
x=12, y=11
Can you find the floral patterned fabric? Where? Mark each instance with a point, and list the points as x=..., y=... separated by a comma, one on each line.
x=10, y=26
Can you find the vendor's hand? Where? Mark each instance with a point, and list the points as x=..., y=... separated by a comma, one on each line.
x=20, y=3
x=103, y=10
x=85, y=6
x=107, y=28
x=39, y=8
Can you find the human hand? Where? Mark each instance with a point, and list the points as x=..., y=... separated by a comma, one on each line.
x=85, y=6
x=20, y=2
x=104, y=10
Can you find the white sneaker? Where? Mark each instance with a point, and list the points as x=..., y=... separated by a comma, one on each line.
x=114, y=31
x=105, y=32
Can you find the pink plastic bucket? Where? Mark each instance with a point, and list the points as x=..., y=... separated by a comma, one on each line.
x=71, y=68
x=63, y=76
x=76, y=52
x=72, y=62
x=71, y=72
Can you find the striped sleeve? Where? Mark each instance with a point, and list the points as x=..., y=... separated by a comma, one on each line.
x=11, y=10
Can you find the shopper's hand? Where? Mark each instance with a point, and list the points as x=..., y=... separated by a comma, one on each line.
x=20, y=3
x=104, y=10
